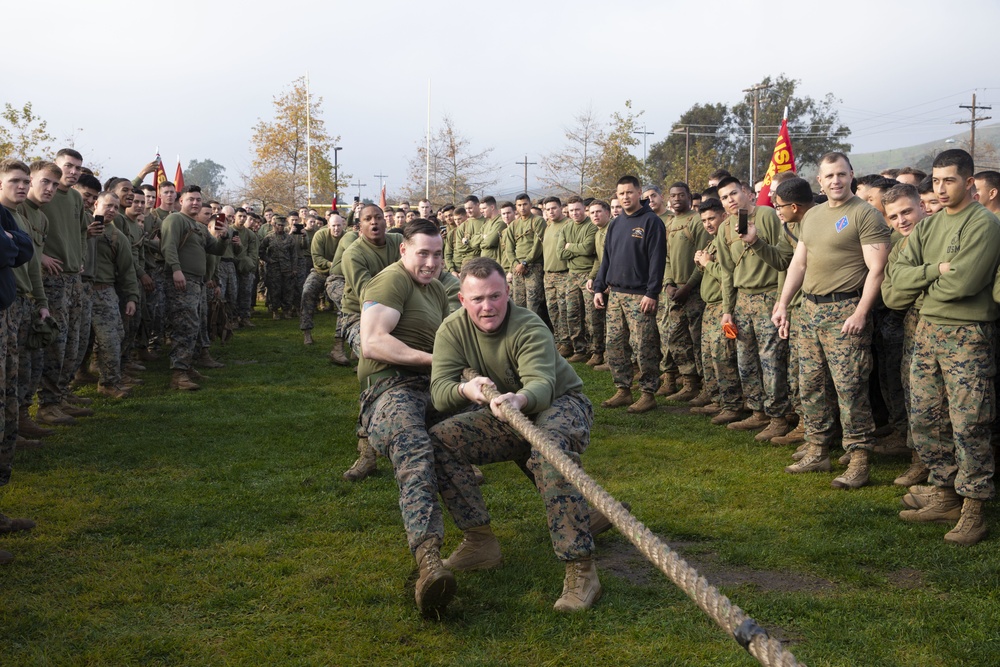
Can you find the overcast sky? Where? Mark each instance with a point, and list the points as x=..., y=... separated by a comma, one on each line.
x=192, y=78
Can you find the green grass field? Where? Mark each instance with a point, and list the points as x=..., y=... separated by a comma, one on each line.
x=213, y=528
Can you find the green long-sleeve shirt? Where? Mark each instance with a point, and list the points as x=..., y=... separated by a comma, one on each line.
x=67, y=229
x=133, y=232
x=599, y=238
x=965, y=294
x=28, y=276
x=363, y=261
x=519, y=357
x=551, y=257
x=277, y=252
x=152, y=241
x=323, y=249
x=250, y=257
x=185, y=245
x=756, y=268
x=490, y=244
x=711, y=279
x=898, y=244
x=581, y=253
x=527, y=235
x=685, y=236
x=115, y=264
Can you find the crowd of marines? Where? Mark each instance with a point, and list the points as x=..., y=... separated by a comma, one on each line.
x=861, y=317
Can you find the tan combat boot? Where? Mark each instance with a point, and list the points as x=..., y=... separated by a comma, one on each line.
x=9, y=525
x=702, y=399
x=690, y=388
x=565, y=351
x=113, y=391
x=435, y=585
x=646, y=402
x=622, y=398
x=479, y=550
x=918, y=496
x=596, y=359
x=856, y=474
x=182, y=381
x=365, y=465
x=971, y=527
x=72, y=398
x=915, y=474
x=668, y=384
x=943, y=505
x=755, y=421
x=75, y=410
x=777, y=427
x=603, y=366
x=53, y=416
x=307, y=337
x=26, y=426
x=726, y=417
x=816, y=459
x=578, y=357
x=793, y=437
x=581, y=587
x=26, y=443
x=205, y=360
x=337, y=353
x=800, y=451
x=710, y=409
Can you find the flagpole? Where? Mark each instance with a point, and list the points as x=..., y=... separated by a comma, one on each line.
x=309, y=180
x=427, y=150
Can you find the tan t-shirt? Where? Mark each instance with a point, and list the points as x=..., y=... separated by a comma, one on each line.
x=833, y=238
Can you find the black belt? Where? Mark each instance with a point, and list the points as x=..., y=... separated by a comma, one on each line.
x=563, y=271
x=229, y=260
x=833, y=297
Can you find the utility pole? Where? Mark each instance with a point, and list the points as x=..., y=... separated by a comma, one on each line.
x=525, y=163
x=359, y=185
x=336, y=182
x=687, y=150
x=380, y=176
x=644, y=134
x=972, y=123
x=753, y=127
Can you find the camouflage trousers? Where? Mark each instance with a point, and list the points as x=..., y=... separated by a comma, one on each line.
x=247, y=294
x=334, y=287
x=951, y=380
x=204, y=339
x=630, y=328
x=580, y=314
x=349, y=326
x=132, y=325
x=888, y=342
x=794, y=326
x=81, y=337
x=825, y=353
x=29, y=364
x=229, y=283
x=156, y=307
x=312, y=290
x=762, y=354
x=58, y=290
x=909, y=332
x=477, y=437
x=280, y=290
x=184, y=310
x=528, y=291
x=555, y=302
x=718, y=361
x=680, y=332
x=10, y=320
x=394, y=411
x=108, y=334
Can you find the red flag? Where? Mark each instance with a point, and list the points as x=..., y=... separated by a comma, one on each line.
x=333, y=204
x=381, y=199
x=783, y=159
x=179, y=178
x=159, y=176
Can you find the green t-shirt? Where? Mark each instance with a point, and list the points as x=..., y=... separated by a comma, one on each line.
x=363, y=261
x=421, y=310
x=551, y=251
x=519, y=357
x=833, y=239
x=28, y=276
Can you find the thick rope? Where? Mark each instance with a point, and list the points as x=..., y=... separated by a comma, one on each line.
x=767, y=650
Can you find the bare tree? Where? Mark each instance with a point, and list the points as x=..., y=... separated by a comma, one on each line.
x=573, y=169
x=455, y=170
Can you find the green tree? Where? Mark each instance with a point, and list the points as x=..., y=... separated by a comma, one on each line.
x=456, y=170
x=23, y=135
x=615, y=157
x=696, y=138
x=573, y=169
x=208, y=174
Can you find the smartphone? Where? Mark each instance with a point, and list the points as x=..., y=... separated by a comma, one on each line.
x=99, y=218
x=357, y=199
x=741, y=225
x=220, y=217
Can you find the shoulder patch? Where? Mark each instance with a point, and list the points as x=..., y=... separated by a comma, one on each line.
x=842, y=224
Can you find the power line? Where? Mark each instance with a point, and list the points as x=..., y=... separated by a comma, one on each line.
x=972, y=123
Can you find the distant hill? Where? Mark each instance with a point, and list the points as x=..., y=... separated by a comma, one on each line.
x=922, y=155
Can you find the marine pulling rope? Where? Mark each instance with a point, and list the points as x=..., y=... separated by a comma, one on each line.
x=747, y=633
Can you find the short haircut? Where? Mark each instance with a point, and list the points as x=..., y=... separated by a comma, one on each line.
x=879, y=183
x=899, y=191
x=889, y=173
x=90, y=182
x=653, y=188
x=107, y=194
x=420, y=226
x=680, y=184
x=45, y=165
x=13, y=164
x=992, y=178
x=114, y=182
x=138, y=191
x=575, y=199
x=422, y=201
x=69, y=152
x=836, y=156
x=912, y=171
x=241, y=210
x=148, y=188
x=926, y=186
x=190, y=188
x=726, y=182
x=718, y=175
x=711, y=204
x=868, y=179
x=603, y=204
x=471, y=199
x=523, y=197
x=781, y=176
x=446, y=208
x=711, y=192
x=482, y=268
x=629, y=179
x=550, y=200
x=506, y=204
x=490, y=200
x=795, y=191
x=165, y=184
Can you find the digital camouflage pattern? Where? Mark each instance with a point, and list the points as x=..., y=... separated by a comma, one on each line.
x=680, y=333
x=762, y=354
x=630, y=328
x=718, y=354
x=81, y=309
x=57, y=291
x=108, y=334
x=528, y=291
x=580, y=313
x=184, y=310
x=555, y=301
x=312, y=291
x=9, y=324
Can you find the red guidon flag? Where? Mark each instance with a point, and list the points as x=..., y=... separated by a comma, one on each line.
x=381, y=199
x=179, y=178
x=159, y=176
x=783, y=159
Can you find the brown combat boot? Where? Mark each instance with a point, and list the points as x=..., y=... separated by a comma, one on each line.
x=691, y=387
x=918, y=496
x=75, y=410
x=777, y=427
x=53, y=416
x=27, y=443
x=793, y=437
x=892, y=445
x=915, y=474
x=702, y=399
x=755, y=421
x=726, y=417
x=564, y=350
x=9, y=525
x=27, y=426
x=205, y=360
x=595, y=360
x=365, y=465
x=603, y=366
x=77, y=400
x=710, y=409
x=479, y=550
x=307, y=337
x=578, y=357
x=971, y=527
x=113, y=391
x=800, y=451
x=182, y=381
x=856, y=474
x=581, y=587
x=816, y=459
x=942, y=505
x=668, y=384
x=646, y=402
x=435, y=585
x=247, y=323
x=337, y=353
x=622, y=398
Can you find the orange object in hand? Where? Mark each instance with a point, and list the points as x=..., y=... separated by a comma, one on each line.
x=729, y=329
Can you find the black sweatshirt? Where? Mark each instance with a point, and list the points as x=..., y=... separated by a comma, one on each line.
x=635, y=253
